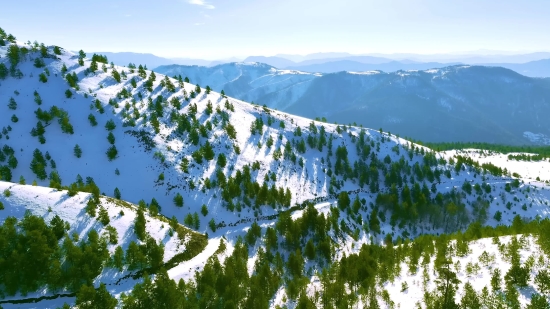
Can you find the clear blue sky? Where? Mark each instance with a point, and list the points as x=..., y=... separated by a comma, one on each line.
x=214, y=29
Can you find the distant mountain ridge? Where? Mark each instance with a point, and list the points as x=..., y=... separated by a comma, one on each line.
x=456, y=103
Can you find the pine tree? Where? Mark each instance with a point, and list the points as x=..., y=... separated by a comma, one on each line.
x=77, y=151
x=93, y=66
x=12, y=104
x=178, y=200
x=117, y=193
x=139, y=225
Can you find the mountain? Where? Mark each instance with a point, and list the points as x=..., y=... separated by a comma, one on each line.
x=354, y=66
x=296, y=212
x=456, y=103
x=256, y=82
x=124, y=58
x=272, y=61
x=538, y=68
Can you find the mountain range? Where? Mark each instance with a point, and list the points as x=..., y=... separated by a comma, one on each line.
x=532, y=65
x=458, y=103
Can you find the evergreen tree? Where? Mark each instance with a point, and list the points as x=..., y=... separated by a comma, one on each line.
x=77, y=151
x=117, y=193
x=178, y=200
x=139, y=225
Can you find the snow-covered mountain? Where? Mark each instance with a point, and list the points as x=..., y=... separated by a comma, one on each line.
x=456, y=103
x=239, y=173
x=251, y=82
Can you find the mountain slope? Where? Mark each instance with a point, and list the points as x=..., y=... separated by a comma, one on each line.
x=457, y=103
x=243, y=173
x=256, y=82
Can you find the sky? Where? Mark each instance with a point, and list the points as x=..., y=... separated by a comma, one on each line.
x=221, y=29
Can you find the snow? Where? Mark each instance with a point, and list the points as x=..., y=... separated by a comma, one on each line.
x=140, y=170
x=48, y=202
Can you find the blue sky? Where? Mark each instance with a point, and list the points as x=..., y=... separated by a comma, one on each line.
x=215, y=29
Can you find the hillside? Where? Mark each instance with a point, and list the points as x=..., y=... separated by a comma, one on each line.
x=456, y=103
x=282, y=198
x=251, y=82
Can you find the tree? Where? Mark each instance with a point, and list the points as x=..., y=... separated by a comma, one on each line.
x=542, y=280
x=68, y=93
x=110, y=125
x=103, y=216
x=111, y=138
x=117, y=193
x=470, y=299
x=13, y=54
x=118, y=258
x=57, y=50
x=93, y=121
x=77, y=151
x=12, y=104
x=112, y=153
x=178, y=200
x=139, y=225
x=538, y=302
x=446, y=285
x=93, y=66
x=116, y=75
x=204, y=210
x=88, y=298
x=42, y=78
x=343, y=200
x=212, y=225
x=3, y=71
x=222, y=161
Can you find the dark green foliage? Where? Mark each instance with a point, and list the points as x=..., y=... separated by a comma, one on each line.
x=77, y=151
x=12, y=104
x=178, y=200
x=100, y=58
x=68, y=94
x=117, y=194
x=139, y=225
x=39, y=63
x=110, y=125
x=42, y=78
x=57, y=50
x=230, y=130
x=116, y=75
x=111, y=138
x=103, y=216
x=212, y=225
x=93, y=121
x=82, y=261
x=112, y=153
x=90, y=298
x=72, y=79
x=222, y=161
x=38, y=165
x=3, y=71
x=13, y=54
x=204, y=210
x=37, y=98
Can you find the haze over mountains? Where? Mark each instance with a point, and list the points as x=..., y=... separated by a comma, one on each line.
x=458, y=103
x=532, y=65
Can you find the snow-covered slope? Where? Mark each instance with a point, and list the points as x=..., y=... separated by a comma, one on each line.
x=49, y=203
x=219, y=164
